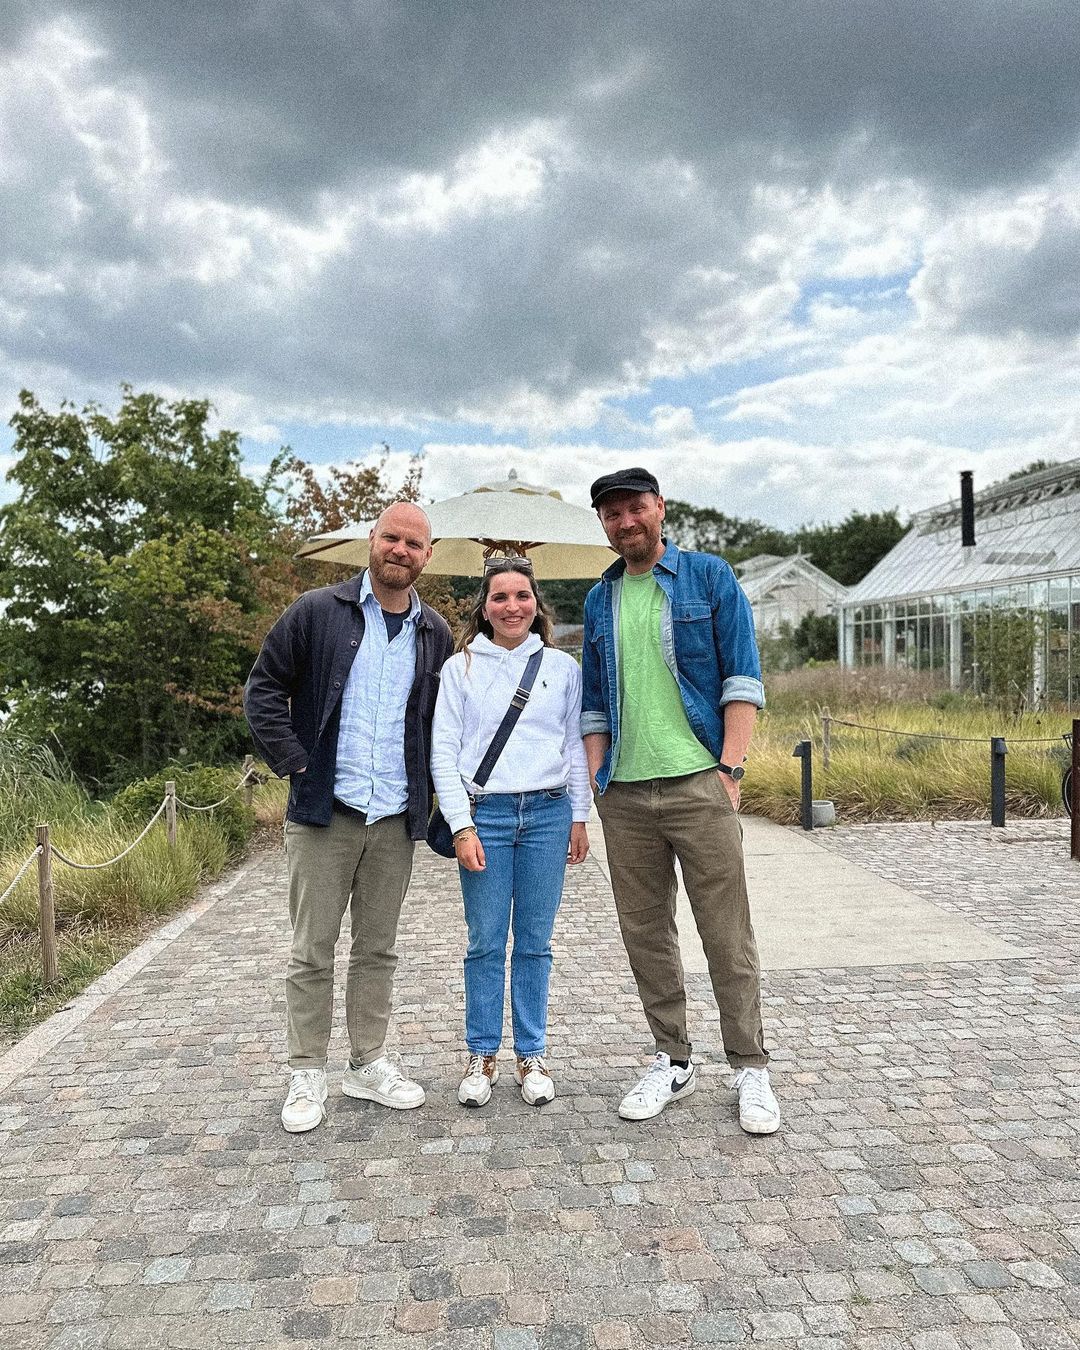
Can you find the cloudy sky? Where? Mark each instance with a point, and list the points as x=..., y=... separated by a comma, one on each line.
x=798, y=258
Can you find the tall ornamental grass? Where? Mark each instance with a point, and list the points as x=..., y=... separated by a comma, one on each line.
x=35, y=786
x=877, y=776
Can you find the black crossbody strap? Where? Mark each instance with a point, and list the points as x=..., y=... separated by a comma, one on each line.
x=506, y=726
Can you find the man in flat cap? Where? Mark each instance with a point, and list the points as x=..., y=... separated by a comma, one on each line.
x=671, y=688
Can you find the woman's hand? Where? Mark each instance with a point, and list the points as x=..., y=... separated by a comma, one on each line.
x=579, y=842
x=470, y=851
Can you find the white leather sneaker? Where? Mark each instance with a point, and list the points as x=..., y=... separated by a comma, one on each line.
x=663, y=1083
x=759, y=1111
x=304, y=1108
x=533, y=1077
x=383, y=1082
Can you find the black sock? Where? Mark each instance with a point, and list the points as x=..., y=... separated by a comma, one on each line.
x=680, y=1063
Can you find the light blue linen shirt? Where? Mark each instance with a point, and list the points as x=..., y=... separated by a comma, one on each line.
x=370, y=771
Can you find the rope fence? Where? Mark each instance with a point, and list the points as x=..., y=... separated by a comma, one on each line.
x=46, y=851
x=940, y=735
x=95, y=867
x=998, y=745
x=21, y=873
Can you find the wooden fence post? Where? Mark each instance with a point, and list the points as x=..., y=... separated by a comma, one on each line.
x=249, y=786
x=170, y=813
x=46, y=907
x=826, y=738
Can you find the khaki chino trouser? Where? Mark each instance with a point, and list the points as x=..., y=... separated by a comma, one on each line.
x=646, y=826
x=346, y=863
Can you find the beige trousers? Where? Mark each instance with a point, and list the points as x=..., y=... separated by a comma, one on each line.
x=648, y=825
x=347, y=864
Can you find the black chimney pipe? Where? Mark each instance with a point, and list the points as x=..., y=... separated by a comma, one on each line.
x=967, y=510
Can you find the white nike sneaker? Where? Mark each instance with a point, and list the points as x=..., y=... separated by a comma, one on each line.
x=304, y=1108
x=663, y=1083
x=759, y=1111
x=383, y=1082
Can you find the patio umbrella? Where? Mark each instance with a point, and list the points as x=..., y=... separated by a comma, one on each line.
x=562, y=540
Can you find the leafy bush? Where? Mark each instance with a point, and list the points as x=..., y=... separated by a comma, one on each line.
x=197, y=785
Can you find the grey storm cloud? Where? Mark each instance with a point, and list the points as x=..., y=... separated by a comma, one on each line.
x=243, y=126
x=1018, y=282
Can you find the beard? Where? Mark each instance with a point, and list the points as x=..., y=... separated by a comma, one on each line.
x=637, y=546
x=394, y=576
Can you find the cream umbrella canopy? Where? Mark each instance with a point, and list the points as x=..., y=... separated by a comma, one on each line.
x=562, y=540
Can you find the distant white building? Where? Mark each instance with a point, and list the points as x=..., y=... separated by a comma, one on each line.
x=784, y=590
x=1000, y=617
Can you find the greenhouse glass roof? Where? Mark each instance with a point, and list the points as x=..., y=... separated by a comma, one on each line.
x=1024, y=530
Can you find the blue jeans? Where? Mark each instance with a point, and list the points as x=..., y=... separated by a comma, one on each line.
x=525, y=837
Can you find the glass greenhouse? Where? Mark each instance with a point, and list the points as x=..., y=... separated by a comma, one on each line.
x=1001, y=618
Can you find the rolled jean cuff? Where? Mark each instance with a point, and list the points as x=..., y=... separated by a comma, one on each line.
x=474, y=1051
x=369, y=1058
x=738, y=1062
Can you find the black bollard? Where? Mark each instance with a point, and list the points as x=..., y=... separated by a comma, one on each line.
x=998, y=752
x=804, y=751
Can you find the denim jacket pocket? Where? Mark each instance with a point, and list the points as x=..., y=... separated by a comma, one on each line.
x=692, y=628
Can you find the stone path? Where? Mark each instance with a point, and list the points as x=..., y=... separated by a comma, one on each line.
x=924, y=1191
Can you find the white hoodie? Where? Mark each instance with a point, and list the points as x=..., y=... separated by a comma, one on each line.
x=545, y=749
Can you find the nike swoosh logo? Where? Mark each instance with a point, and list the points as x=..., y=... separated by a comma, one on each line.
x=676, y=1086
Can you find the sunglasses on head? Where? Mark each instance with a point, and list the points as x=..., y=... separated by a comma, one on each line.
x=505, y=564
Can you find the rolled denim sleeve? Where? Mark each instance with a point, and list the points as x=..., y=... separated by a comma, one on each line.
x=733, y=628
x=594, y=716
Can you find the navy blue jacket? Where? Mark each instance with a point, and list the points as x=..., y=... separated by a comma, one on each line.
x=293, y=698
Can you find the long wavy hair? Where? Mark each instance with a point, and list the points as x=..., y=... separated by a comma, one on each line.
x=475, y=622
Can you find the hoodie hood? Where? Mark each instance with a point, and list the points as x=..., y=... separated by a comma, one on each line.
x=482, y=645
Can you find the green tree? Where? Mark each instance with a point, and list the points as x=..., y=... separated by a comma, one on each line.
x=711, y=531
x=846, y=551
x=1036, y=466
x=815, y=638
x=849, y=550
x=130, y=582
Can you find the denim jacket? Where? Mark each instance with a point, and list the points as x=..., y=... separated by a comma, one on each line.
x=706, y=635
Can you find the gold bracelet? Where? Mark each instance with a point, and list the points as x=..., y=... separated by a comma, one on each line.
x=468, y=829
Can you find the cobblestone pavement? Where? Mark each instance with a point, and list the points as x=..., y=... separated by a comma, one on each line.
x=924, y=1191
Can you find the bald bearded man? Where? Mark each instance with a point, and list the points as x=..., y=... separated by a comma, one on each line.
x=341, y=699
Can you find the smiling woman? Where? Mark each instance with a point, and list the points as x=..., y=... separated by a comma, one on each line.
x=508, y=764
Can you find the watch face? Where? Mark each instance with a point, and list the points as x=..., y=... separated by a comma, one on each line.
x=738, y=772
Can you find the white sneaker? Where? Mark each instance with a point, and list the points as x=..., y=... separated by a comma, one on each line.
x=759, y=1111
x=304, y=1108
x=535, y=1081
x=662, y=1083
x=481, y=1073
x=383, y=1082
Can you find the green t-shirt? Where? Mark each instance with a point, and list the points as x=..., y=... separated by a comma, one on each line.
x=655, y=739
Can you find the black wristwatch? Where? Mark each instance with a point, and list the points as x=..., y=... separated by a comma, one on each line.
x=733, y=773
